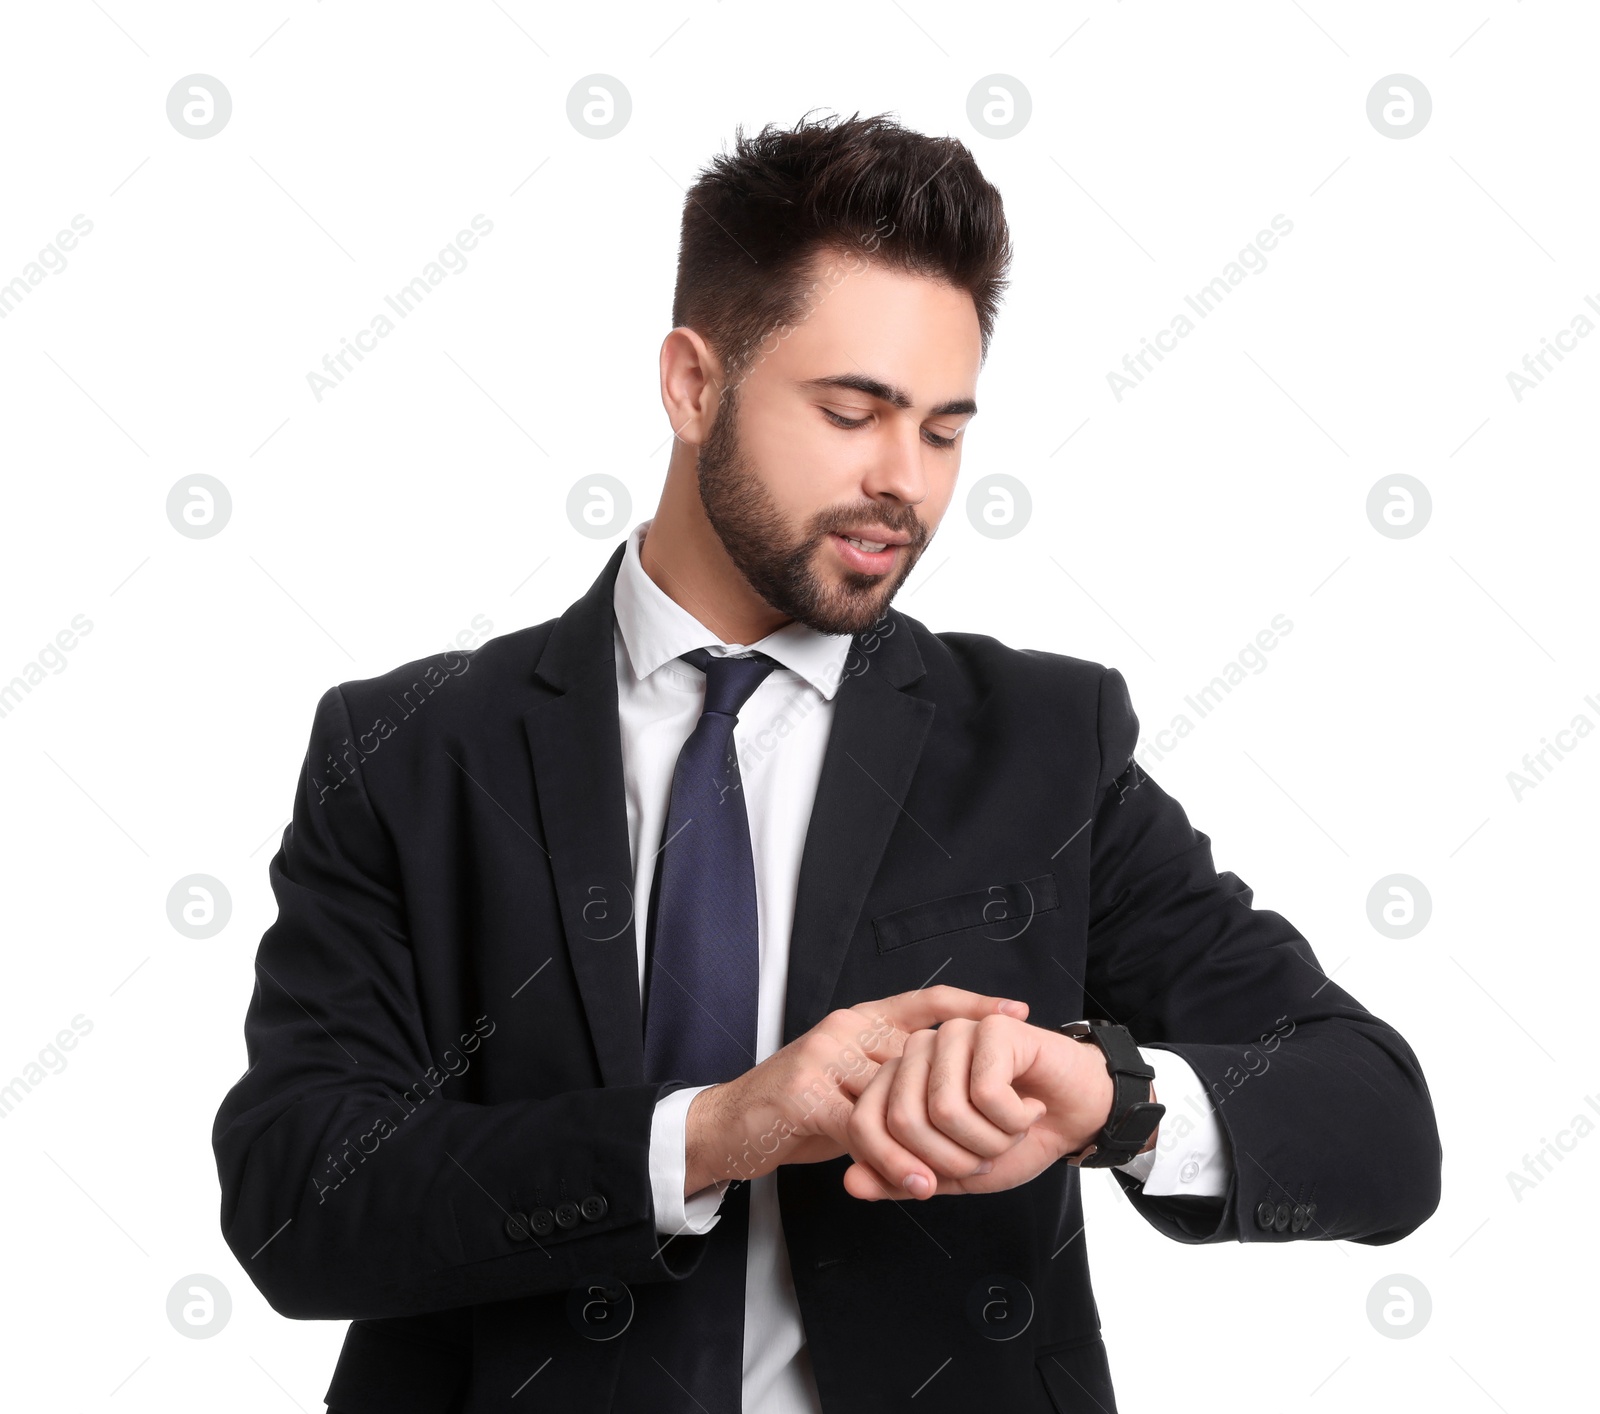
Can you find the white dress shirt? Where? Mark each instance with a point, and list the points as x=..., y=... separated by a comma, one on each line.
x=780, y=736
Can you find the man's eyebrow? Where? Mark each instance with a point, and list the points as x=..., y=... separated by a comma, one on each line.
x=888, y=393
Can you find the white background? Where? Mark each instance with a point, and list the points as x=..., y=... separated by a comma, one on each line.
x=372, y=527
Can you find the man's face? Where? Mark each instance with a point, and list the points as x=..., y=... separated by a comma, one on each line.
x=850, y=425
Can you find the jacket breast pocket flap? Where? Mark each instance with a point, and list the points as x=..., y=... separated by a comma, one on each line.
x=1004, y=911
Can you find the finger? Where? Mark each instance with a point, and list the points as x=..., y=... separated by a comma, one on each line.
x=853, y=1082
x=893, y=1018
x=906, y=1115
x=950, y=1105
x=883, y=1163
x=862, y=1181
x=866, y=1183
x=1017, y=1165
x=1004, y=1054
x=870, y=1142
x=825, y=1108
x=861, y=1178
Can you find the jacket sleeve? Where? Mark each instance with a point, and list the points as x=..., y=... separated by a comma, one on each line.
x=1324, y=1106
x=353, y=1186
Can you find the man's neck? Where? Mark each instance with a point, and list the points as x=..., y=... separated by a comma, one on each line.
x=683, y=556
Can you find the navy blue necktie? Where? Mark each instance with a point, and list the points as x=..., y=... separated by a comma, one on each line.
x=701, y=939
x=704, y=957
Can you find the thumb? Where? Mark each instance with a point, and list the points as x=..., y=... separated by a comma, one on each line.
x=928, y=1006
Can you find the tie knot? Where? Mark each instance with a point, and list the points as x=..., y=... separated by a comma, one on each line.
x=729, y=681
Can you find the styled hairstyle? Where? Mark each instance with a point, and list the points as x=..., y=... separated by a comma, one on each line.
x=859, y=188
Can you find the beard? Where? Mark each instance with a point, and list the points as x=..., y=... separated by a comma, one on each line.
x=781, y=565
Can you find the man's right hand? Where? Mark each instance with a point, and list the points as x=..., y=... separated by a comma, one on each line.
x=795, y=1107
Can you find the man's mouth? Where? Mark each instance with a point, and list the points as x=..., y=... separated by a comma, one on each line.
x=866, y=556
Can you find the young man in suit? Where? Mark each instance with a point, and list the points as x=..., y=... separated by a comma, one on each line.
x=631, y=969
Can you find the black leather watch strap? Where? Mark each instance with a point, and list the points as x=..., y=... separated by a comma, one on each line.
x=1134, y=1116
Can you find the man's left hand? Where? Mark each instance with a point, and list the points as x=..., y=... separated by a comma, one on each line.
x=1019, y=1095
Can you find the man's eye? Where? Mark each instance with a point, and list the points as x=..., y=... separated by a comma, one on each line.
x=839, y=421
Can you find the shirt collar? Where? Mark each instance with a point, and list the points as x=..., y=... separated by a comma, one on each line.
x=656, y=629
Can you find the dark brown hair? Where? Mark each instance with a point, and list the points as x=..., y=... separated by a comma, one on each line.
x=864, y=188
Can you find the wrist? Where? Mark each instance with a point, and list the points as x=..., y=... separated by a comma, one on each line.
x=1131, y=1117
x=697, y=1144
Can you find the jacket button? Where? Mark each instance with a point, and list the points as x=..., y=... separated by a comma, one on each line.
x=1311, y=1213
x=541, y=1220
x=1266, y=1215
x=1281, y=1222
x=566, y=1215
x=1300, y=1221
x=593, y=1207
x=517, y=1226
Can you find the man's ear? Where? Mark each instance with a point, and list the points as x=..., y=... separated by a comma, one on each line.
x=691, y=384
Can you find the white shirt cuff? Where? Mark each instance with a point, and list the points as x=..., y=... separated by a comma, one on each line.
x=1191, y=1156
x=676, y=1215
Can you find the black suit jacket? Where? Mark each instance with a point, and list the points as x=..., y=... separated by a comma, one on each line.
x=445, y=1030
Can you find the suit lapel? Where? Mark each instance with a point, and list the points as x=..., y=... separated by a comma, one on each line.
x=873, y=748
x=576, y=744
x=874, y=745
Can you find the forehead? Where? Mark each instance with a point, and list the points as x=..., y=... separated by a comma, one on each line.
x=919, y=333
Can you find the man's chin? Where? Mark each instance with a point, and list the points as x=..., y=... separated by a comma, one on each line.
x=851, y=608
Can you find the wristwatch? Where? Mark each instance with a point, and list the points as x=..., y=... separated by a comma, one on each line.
x=1134, y=1115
